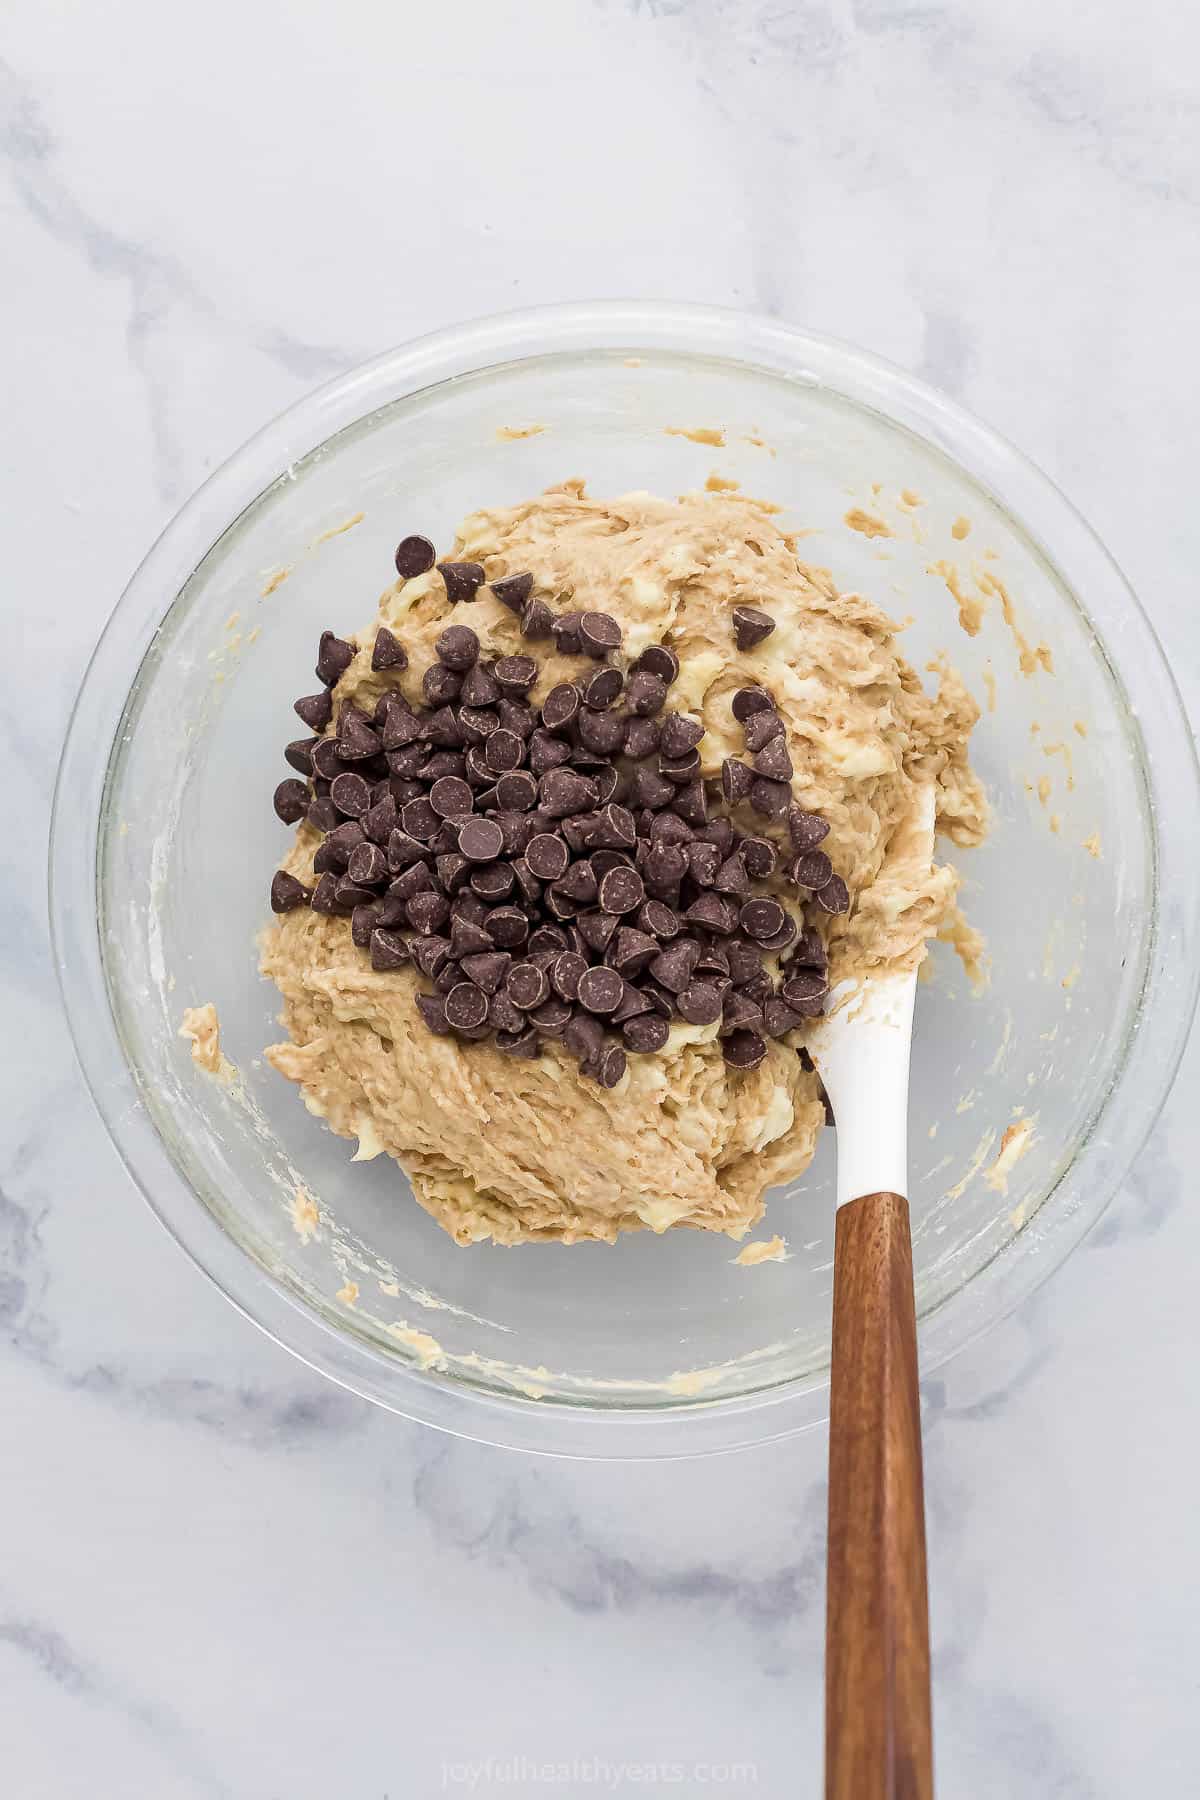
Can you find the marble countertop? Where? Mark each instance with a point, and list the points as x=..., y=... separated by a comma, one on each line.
x=222, y=1576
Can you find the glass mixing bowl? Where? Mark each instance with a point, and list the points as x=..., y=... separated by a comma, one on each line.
x=1086, y=892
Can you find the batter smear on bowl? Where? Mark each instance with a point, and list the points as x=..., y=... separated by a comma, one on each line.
x=589, y=820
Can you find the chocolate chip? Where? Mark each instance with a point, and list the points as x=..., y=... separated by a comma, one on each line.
x=419, y=820
x=388, y=652
x=513, y=590
x=470, y=936
x=673, y=968
x=713, y=913
x=450, y=797
x=810, y=951
x=334, y=656
x=546, y=752
x=579, y=884
x=403, y=850
x=700, y=1003
x=633, y=1002
x=367, y=865
x=430, y=954
x=596, y=929
x=493, y=882
x=414, y=556
x=351, y=794
x=646, y=1034
x=298, y=754
x=388, y=951
x=427, y=913
x=658, y=920
x=487, y=969
x=599, y=633
x=515, y=675
x=452, y=871
x=440, y=685
x=322, y=814
x=400, y=729
x=463, y=580
x=603, y=733
x=550, y=939
x=566, y=972
x=714, y=961
x=691, y=803
x=316, y=710
x=518, y=716
x=561, y=707
x=547, y=856
x=552, y=1017
x=658, y=660
x=645, y=694
x=457, y=648
x=480, y=840
x=528, y=986
x=503, y=1015
x=325, y=760
x=761, y=728
x=537, y=621
x=608, y=1066
x=363, y=921
x=602, y=688
x=806, y=829
x=479, y=687
x=562, y=792
x=477, y=770
x=811, y=870
x=600, y=991
x=759, y=856
x=380, y=819
x=416, y=879
x=519, y=1044
x=745, y=961
x=286, y=892
x=323, y=898
x=622, y=891
x=650, y=789
x=503, y=751
x=466, y=1006
x=567, y=640
x=770, y=798
x=432, y=1009
x=761, y=918
x=614, y=828
x=732, y=877
x=680, y=736
x=834, y=897
x=641, y=738
x=665, y=866
x=804, y=984
x=291, y=801
x=631, y=951
x=508, y=927
x=736, y=781
x=703, y=862
x=744, y=1049
x=356, y=741
x=680, y=769
x=517, y=792
x=750, y=700
x=750, y=626
x=584, y=1036
x=477, y=723
x=773, y=761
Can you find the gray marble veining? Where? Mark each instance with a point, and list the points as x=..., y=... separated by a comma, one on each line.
x=224, y=1577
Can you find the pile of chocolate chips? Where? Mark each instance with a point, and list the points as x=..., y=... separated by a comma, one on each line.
x=558, y=872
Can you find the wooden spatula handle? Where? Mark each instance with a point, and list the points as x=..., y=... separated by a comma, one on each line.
x=877, y=1708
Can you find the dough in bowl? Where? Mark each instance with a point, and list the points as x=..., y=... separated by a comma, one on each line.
x=516, y=1150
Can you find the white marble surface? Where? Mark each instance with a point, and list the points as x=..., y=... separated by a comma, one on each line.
x=220, y=1576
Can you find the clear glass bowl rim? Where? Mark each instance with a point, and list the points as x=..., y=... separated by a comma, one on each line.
x=1140, y=1085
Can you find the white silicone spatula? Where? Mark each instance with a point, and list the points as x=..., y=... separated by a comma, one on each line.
x=877, y=1702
